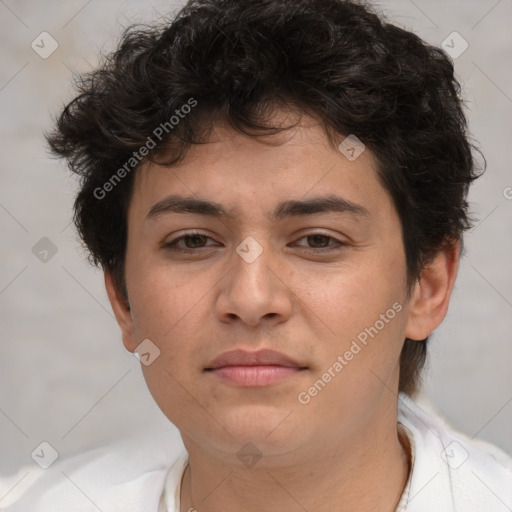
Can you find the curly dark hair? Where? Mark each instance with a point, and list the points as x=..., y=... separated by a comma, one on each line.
x=236, y=61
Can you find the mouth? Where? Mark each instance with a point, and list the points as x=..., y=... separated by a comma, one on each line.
x=254, y=369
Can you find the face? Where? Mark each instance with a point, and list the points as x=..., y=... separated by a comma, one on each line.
x=323, y=285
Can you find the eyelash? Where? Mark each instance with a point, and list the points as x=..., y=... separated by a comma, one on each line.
x=172, y=244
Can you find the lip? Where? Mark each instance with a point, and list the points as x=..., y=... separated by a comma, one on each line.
x=254, y=369
x=247, y=358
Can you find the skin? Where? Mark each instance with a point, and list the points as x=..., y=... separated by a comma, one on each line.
x=343, y=450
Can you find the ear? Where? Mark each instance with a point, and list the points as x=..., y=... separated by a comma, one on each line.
x=431, y=295
x=121, y=311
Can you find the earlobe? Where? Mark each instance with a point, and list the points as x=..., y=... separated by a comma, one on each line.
x=122, y=312
x=432, y=292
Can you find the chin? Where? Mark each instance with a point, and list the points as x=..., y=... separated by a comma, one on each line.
x=265, y=426
x=271, y=436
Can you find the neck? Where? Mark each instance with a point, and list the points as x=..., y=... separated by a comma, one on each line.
x=365, y=474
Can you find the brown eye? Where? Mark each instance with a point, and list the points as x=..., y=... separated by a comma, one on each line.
x=320, y=242
x=188, y=243
x=195, y=239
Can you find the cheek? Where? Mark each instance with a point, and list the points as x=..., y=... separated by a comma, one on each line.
x=165, y=298
x=353, y=296
x=365, y=312
x=363, y=307
x=171, y=308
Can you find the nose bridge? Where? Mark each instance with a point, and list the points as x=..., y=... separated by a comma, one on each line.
x=252, y=267
x=253, y=290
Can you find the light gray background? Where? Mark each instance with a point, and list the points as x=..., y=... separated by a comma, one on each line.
x=64, y=375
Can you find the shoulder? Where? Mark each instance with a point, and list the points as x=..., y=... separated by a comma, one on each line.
x=127, y=476
x=451, y=470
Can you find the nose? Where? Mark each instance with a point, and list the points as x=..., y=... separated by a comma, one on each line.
x=255, y=290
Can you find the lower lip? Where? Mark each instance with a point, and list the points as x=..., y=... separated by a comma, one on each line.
x=255, y=376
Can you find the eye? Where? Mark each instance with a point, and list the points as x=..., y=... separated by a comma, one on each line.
x=191, y=241
x=194, y=242
x=320, y=242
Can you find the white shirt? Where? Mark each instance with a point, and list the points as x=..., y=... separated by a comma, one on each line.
x=451, y=472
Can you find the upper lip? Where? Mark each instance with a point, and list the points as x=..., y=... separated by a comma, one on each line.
x=247, y=358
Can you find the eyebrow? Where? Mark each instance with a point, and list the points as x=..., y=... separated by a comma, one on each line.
x=290, y=208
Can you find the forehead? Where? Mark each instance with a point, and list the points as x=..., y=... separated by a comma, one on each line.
x=234, y=174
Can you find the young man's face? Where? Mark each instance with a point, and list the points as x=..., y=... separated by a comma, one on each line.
x=345, y=303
